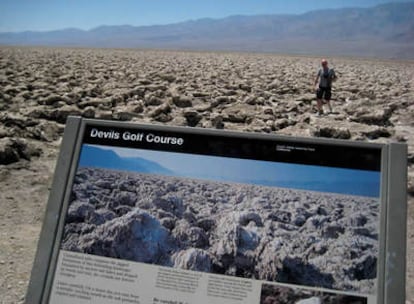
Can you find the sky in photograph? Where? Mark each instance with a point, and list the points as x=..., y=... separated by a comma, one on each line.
x=45, y=15
x=286, y=175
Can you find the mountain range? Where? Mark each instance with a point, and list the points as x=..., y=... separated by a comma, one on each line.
x=385, y=31
x=92, y=156
x=331, y=180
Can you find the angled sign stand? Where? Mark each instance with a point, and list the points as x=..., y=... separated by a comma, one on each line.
x=156, y=214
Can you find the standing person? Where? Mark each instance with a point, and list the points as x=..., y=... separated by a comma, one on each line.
x=323, y=86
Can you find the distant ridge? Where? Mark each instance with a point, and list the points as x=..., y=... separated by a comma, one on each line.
x=385, y=31
x=93, y=156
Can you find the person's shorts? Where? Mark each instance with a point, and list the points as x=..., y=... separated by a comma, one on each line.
x=323, y=93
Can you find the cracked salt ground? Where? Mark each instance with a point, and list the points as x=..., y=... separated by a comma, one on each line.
x=274, y=234
x=272, y=294
x=40, y=87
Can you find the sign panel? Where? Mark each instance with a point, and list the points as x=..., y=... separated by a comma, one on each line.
x=151, y=214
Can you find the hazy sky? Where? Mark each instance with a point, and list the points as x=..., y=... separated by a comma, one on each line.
x=38, y=15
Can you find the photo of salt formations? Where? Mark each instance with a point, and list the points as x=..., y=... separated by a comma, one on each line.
x=216, y=215
x=272, y=294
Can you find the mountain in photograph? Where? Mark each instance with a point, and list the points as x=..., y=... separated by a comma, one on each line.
x=92, y=156
x=241, y=171
x=385, y=30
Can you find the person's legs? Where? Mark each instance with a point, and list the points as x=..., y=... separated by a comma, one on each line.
x=319, y=104
x=328, y=95
x=328, y=102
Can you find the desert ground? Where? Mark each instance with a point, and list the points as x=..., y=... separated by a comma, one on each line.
x=373, y=101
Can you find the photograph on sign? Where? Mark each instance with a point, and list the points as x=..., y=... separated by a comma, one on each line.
x=299, y=224
x=273, y=294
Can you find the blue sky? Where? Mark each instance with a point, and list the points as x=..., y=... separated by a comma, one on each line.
x=39, y=15
x=325, y=179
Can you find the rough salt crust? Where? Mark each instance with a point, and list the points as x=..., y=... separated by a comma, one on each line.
x=273, y=294
x=40, y=87
x=266, y=233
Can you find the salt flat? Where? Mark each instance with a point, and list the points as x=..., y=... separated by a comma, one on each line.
x=39, y=87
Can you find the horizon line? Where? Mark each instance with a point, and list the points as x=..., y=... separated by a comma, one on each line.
x=73, y=27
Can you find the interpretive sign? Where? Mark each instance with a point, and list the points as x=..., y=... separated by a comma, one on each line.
x=154, y=214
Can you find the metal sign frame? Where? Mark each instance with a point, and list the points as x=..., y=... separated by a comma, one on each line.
x=392, y=232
